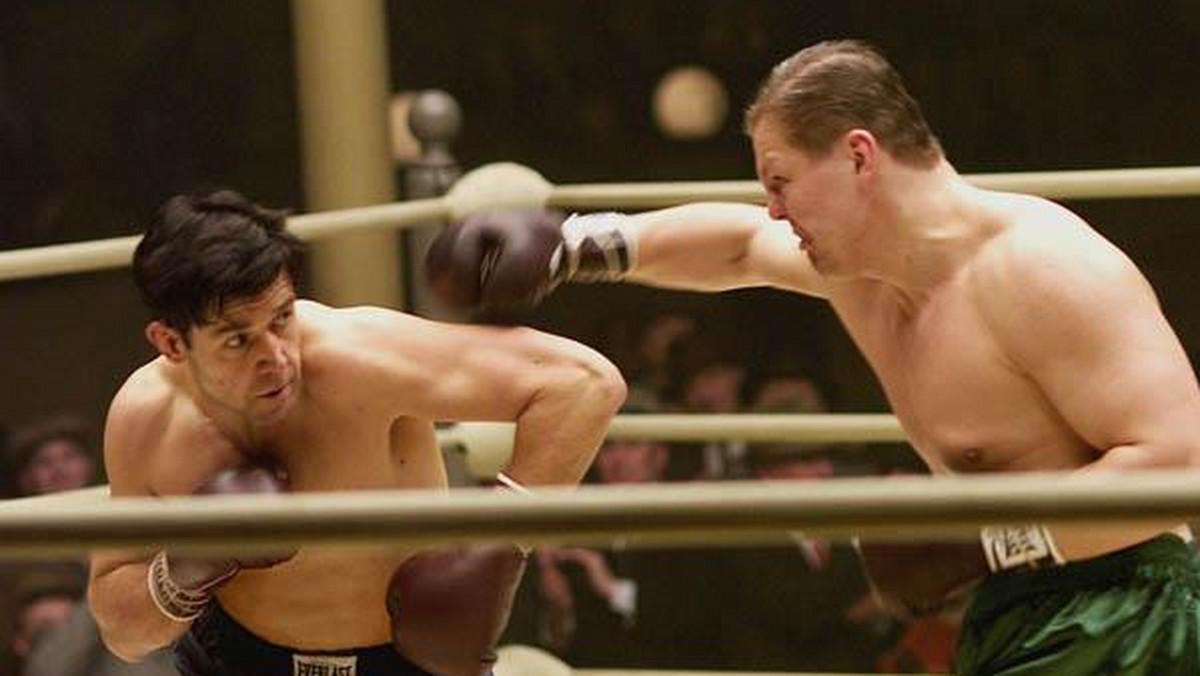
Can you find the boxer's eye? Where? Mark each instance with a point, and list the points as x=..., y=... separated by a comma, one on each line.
x=236, y=341
x=282, y=320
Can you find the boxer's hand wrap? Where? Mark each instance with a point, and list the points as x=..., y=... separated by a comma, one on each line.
x=1019, y=547
x=596, y=248
x=181, y=587
x=180, y=603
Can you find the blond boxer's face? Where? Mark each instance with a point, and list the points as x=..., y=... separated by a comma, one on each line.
x=820, y=197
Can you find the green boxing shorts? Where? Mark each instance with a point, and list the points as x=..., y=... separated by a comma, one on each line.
x=1134, y=612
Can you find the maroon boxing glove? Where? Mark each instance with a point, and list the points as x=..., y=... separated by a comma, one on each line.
x=507, y=260
x=497, y=259
x=182, y=586
x=449, y=607
x=922, y=577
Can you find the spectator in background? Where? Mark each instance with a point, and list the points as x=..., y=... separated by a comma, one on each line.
x=763, y=587
x=52, y=455
x=707, y=375
x=74, y=648
x=42, y=600
x=650, y=370
x=54, y=634
x=620, y=607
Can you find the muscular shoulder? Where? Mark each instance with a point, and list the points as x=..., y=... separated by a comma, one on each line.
x=139, y=416
x=1047, y=270
x=359, y=349
x=336, y=340
x=1044, y=247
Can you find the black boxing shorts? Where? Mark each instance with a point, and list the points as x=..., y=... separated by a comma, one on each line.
x=216, y=645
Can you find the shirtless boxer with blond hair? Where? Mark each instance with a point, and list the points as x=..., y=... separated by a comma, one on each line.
x=1007, y=334
x=254, y=390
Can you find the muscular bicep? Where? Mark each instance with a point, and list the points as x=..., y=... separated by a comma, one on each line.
x=1090, y=332
x=444, y=371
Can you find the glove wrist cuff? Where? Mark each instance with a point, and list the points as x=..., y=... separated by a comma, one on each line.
x=600, y=247
x=177, y=602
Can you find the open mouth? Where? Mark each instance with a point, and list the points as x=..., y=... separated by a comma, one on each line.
x=277, y=392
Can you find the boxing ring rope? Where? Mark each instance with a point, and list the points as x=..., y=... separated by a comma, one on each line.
x=641, y=672
x=751, y=427
x=511, y=185
x=1086, y=184
x=117, y=252
x=651, y=514
x=486, y=447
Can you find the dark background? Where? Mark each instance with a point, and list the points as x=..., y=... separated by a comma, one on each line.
x=107, y=107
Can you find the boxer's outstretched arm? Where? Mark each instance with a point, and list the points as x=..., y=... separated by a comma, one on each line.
x=506, y=260
x=561, y=394
x=718, y=246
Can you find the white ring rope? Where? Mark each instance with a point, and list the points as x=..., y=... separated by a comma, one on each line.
x=117, y=252
x=1084, y=184
x=510, y=185
x=751, y=427
x=643, y=672
x=486, y=447
x=643, y=514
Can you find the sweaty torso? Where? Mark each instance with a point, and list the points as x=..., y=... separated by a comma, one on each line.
x=964, y=404
x=338, y=438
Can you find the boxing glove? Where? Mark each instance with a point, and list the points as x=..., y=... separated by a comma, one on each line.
x=919, y=578
x=182, y=586
x=922, y=577
x=510, y=260
x=449, y=607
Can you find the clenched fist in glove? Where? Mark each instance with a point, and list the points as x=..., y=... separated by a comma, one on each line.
x=508, y=260
x=183, y=586
x=449, y=607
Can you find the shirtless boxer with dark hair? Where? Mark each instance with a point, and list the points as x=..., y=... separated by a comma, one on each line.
x=255, y=391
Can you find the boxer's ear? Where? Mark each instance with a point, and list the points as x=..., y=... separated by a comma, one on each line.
x=863, y=149
x=166, y=340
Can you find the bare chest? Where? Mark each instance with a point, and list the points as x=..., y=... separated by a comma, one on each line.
x=964, y=405
x=346, y=448
x=361, y=453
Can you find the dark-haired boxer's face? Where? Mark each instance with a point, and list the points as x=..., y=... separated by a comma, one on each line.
x=247, y=358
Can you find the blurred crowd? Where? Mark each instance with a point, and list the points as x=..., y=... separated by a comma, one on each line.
x=798, y=604
x=44, y=621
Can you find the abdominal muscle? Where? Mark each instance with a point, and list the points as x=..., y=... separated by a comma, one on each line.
x=320, y=600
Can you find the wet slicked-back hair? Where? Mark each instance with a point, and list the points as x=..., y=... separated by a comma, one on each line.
x=204, y=249
x=830, y=88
